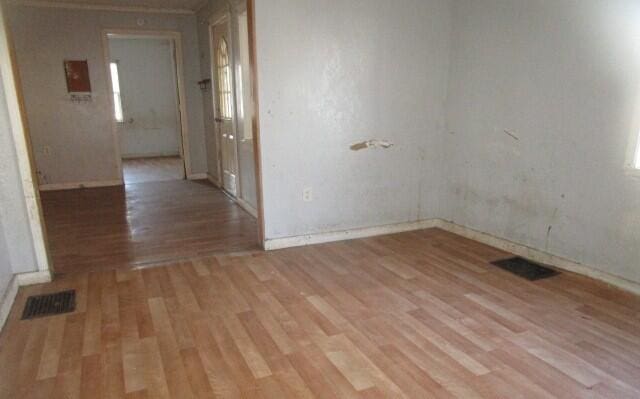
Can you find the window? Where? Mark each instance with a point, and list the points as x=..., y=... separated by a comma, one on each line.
x=117, y=100
x=224, y=80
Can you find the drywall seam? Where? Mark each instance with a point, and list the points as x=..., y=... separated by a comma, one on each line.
x=86, y=184
x=320, y=238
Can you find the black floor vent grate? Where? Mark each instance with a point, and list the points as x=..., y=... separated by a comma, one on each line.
x=49, y=304
x=525, y=268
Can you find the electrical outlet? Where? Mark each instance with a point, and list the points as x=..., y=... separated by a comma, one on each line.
x=307, y=194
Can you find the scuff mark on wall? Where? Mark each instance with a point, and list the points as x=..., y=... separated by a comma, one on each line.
x=512, y=135
x=546, y=245
x=371, y=144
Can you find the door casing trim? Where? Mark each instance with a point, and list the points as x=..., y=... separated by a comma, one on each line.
x=176, y=39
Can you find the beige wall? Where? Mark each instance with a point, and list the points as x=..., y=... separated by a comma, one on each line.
x=72, y=142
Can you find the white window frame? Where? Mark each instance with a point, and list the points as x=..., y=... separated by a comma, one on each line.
x=118, y=112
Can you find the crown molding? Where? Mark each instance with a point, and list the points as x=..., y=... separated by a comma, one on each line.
x=101, y=7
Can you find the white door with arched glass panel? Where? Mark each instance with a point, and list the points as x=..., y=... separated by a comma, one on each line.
x=223, y=104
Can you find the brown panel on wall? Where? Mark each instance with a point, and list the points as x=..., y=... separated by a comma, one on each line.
x=77, y=73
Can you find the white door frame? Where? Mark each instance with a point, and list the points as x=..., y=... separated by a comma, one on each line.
x=26, y=166
x=217, y=19
x=176, y=38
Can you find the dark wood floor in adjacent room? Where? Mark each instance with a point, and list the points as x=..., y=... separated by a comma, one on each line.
x=138, y=224
x=142, y=170
x=419, y=315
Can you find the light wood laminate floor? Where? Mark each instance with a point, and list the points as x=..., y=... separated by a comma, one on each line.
x=419, y=315
x=137, y=224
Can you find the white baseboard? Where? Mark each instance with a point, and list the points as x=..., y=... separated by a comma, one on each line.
x=151, y=155
x=539, y=256
x=19, y=280
x=533, y=254
x=33, y=278
x=247, y=207
x=213, y=179
x=86, y=184
x=197, y=176
x=320, y=238
x=7, y=300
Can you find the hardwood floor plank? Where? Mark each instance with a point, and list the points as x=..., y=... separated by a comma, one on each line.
x=133, y=363
x=579, y=370
x=414, y=315
x=91, y=385
x=172, y=365
x=50, y=358
x=142, y=224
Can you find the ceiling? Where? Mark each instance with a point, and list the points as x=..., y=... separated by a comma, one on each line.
x=150, y=5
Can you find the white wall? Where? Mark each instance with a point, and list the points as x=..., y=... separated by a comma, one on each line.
x=79, y=136
x=563, y=77
x=333, y=73
x=149, y=97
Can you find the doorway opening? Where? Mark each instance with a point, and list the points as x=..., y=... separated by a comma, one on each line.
x=233, y=105
x=223, y=104
x=95, y=222
x=146, y=86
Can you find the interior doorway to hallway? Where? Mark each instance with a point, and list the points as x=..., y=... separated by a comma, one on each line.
x=93, y=221
x=146, y=91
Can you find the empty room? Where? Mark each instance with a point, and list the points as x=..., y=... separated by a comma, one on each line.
x=320, y=199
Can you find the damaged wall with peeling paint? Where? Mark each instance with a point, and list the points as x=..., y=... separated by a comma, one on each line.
x=336, y=73
x=543, y=98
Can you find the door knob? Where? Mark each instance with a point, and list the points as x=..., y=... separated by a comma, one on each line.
x=218, y=120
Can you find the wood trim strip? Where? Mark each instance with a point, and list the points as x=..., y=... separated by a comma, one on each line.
x=255, y=122
x=100, y=7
